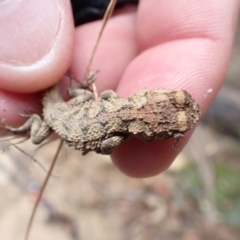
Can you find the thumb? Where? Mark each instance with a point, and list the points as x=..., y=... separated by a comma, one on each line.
x=36, y=43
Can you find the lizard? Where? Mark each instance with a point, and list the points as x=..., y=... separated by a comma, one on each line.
x=102, y=124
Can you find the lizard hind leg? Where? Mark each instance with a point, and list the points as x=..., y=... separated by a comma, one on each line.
x=39, y=130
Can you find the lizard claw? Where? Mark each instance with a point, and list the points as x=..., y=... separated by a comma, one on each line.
x=89, y=80
x=25, y=115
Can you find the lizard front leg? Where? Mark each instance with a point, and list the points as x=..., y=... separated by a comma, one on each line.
x=110, y=143
x=39, y=130
x=79, y=96
x=108, y=95
x=82, y=91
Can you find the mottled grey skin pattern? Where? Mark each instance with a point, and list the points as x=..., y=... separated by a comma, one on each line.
x=101, y=125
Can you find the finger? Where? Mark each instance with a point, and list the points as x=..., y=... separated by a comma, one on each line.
x=116, y=49
x=36, y=43
x=11, y=105
x=185, y=44
x=35, y=52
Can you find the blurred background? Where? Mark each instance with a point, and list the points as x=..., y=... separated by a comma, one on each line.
x=87, y=198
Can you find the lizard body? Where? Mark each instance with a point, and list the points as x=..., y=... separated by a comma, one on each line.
x=102, y=124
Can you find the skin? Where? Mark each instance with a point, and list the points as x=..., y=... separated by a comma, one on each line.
x=171, y=44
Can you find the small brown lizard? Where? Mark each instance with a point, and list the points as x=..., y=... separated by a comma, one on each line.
x=102, y=124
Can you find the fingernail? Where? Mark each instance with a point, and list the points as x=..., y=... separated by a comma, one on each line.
x=29, y=31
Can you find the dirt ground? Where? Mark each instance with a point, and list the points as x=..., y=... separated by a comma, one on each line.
x=87, y=198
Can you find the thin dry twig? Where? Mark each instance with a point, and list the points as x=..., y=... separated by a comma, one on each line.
x=31, y=157
x=106, y=17
x=42, y=190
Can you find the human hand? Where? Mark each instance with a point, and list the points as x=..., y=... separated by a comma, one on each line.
x=170, y=44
